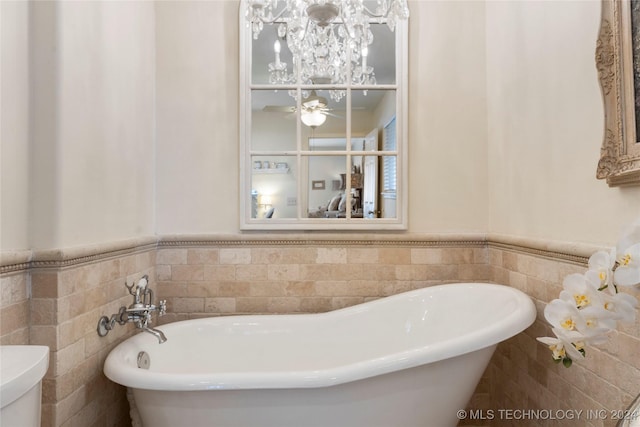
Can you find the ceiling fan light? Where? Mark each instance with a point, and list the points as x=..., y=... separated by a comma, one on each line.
x=313, y=119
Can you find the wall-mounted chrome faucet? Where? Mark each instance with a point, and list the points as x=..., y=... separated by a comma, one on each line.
x=139, y=312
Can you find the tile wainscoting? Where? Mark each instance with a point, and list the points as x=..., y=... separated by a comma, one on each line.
x=212, y=277
x=56, y=298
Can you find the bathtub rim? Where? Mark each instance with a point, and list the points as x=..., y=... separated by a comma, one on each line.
x=130, y=376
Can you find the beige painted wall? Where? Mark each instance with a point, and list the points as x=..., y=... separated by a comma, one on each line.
x=79, y=153
x=545, y=123
x=106, y=121
x=447, y=117
x=197, y=116
x=14, y=128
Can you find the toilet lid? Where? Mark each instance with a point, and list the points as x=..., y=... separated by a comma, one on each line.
x=21, y=368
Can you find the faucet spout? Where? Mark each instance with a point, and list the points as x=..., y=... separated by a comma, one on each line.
x=155, y=332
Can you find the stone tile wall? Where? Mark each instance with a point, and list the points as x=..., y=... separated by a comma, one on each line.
x=218, y=279
x=70, y=291
x=522, y=376
x=14, y=308
x=66, y=303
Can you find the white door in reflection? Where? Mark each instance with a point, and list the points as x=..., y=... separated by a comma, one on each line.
x=370, y=190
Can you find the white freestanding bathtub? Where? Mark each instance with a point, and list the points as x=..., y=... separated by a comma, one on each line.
x=408, y=360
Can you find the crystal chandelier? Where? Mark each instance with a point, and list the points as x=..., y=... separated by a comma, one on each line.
x=324, y=37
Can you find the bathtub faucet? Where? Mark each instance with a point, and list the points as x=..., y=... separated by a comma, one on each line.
x=155, y=332
x=139, y=312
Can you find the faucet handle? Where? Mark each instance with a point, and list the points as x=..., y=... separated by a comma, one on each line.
x=130, y=288
x=162, y=307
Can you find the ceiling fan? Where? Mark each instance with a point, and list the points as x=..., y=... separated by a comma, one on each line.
x=314, y=103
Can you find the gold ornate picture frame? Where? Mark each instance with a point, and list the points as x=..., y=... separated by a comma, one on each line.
x=618, y=64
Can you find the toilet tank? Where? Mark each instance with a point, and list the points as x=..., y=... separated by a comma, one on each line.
x=22, y=368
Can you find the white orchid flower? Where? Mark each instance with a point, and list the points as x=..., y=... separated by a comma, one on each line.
x=622, y=306
x=628, y=271
x=602, y=264
x=555, y=345
x=582, y=290
x=591, y=321
x=564, y=315
x=598, y=322
x=567, y=344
